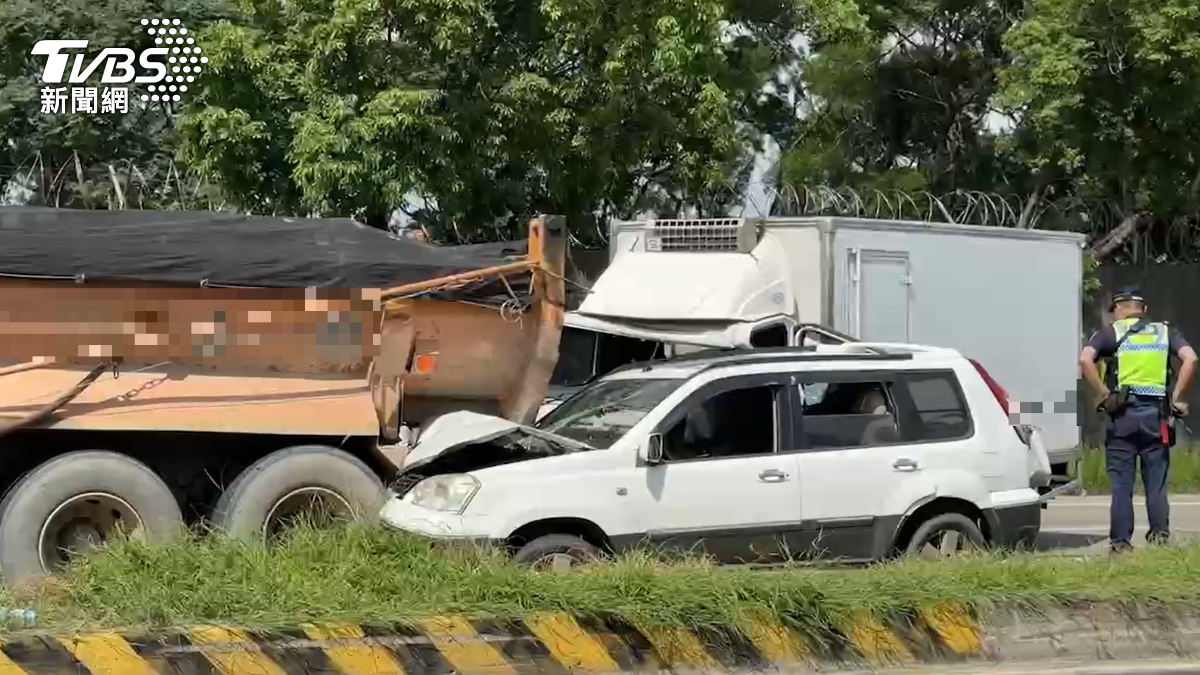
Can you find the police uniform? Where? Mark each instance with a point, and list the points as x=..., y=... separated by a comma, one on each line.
x=1135, y=365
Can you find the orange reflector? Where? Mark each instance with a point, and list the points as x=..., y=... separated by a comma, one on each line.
x=425, y=363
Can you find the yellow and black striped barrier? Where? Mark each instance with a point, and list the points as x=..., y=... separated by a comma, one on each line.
x=547, y=644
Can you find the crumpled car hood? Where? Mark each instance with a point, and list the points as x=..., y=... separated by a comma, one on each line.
x=453, y=431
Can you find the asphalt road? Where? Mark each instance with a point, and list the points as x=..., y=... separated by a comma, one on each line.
x=1050, y=667
x=1073, y=525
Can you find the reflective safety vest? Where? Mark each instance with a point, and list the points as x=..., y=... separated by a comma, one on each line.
x=1143, y=359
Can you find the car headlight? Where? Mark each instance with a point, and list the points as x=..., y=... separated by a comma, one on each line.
x=450, y=492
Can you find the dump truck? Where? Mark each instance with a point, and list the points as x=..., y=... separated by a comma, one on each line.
x=172, y=368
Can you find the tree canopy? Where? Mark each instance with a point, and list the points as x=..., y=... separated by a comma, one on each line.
x=84, y=151
x=1108, y=93
x=471, y=115
x=483, y=110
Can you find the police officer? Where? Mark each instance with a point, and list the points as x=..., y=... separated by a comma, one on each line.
x=1137, y=393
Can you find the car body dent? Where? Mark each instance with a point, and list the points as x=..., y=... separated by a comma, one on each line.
x=584, y=486
x=920, y=489
x=454, y=431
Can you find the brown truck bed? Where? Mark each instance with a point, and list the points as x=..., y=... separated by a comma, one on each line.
x=292, y=360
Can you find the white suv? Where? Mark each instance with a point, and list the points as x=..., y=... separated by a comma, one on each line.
x=855, y=452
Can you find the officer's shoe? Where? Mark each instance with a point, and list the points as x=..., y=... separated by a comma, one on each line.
x=1119, y=547
x=1158, y=538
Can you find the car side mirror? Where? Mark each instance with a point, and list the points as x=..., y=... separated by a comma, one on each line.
x=654, y=449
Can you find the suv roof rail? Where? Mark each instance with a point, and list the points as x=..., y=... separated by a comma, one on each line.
x=849, y=349
x=742, y=357
x=876, y=348
x=837, y=337
x=775, y=354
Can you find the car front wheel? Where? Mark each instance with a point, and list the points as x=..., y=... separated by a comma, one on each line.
x=555, y=553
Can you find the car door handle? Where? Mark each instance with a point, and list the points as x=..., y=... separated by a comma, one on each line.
x=772, y=476
x=905, y=464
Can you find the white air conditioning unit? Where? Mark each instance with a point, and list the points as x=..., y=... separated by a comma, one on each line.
x=729, y=235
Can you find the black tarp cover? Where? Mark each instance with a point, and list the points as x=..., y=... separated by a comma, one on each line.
x=191, y=248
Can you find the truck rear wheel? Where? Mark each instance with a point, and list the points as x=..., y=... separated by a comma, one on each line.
x=71, y=503
x=309, y=481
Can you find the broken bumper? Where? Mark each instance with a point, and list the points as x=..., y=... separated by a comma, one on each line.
x=1015, y=525
x=445, y=527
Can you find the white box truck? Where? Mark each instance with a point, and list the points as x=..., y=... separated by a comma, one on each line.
x=1008, y=298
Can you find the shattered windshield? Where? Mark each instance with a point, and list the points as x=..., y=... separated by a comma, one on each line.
x=605, y=411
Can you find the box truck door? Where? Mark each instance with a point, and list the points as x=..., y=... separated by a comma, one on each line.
x=880, y=285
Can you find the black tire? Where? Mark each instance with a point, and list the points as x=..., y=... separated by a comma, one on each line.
x=28, y=507
x=247, y=505
x=538, y=551
x=946, y=522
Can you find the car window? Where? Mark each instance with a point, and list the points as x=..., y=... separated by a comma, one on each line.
x=770, y=336
x=576, y=358
x=734, y=423
x=940, y=407
x=584, y=355
x=846, y=414
x=813, y=392
x=614, y=351
x=601, y=413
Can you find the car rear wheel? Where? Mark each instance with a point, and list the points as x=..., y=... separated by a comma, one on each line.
x=944, y=536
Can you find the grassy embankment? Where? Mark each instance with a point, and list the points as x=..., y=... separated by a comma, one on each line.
x=1184, y=475
x=368, y=575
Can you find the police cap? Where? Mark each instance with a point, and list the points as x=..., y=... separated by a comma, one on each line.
x=1127, y=294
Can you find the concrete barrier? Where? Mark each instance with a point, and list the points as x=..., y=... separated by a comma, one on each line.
x=558, y=643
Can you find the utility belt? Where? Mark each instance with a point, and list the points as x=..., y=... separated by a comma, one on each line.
x=1119, y=400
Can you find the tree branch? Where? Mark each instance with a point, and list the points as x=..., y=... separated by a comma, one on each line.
x=1117, y=237
x=1026, y=218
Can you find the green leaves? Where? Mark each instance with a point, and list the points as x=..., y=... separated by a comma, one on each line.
x=33, y=143
x=485, y=110
x=1111, y=89
x=899, y=95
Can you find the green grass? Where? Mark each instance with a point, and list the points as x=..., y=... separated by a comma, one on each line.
x=362, y=574
x=1184, y=475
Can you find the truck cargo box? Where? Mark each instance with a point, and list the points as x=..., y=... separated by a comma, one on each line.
x=1009, y=298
